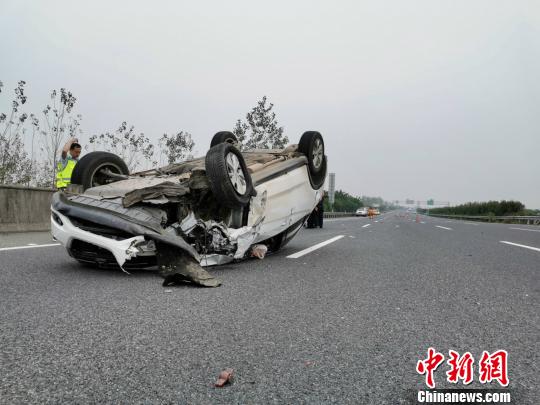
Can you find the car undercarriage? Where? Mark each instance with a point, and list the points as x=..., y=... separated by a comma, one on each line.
x=202, y=212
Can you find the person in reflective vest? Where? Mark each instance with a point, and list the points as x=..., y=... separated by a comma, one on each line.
x=66, y=164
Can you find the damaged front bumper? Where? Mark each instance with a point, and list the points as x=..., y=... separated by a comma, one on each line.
x=66, y=233
x=128, y=238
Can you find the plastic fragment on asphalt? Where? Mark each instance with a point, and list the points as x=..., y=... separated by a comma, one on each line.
x=259, y=251
x=224, y=377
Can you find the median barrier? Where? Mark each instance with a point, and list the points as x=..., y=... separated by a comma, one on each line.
x=523, y=219
x=24, y=209
x=338, y=214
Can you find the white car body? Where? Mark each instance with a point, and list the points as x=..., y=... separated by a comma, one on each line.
x=280, y=207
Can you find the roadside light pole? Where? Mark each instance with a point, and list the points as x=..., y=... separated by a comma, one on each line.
x=331, y=189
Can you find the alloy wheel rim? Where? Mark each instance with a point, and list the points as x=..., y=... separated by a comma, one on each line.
x=235, y=173
x=317, y=153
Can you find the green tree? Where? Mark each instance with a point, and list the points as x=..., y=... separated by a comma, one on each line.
x=495, y=208
x=134, y=148
x=177, y=147
x=344, y=202
x=15, y=166
x=260, y=130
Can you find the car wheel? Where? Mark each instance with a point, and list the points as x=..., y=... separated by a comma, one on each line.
x=312, y=145
x=98, y=168
x=223, y=137
x=228, y=176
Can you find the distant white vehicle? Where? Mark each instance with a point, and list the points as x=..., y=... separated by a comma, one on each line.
x=362, y=212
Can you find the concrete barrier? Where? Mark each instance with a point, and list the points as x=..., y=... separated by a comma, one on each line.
x=24, y=209
x=329, y=214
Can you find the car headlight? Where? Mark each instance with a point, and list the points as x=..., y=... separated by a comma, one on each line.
x=56, y=218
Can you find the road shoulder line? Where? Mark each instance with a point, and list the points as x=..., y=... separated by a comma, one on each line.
x=314, y=247
x=29, y=246
x=521, y=246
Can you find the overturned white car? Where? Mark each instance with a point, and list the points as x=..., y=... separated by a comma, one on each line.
x=202, y=212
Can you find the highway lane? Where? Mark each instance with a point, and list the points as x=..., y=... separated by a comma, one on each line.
x=345, y=323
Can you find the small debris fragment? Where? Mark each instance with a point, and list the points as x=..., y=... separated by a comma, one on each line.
x=309, y=363
x=224, y=377
x=259, y=251
x=168, y=291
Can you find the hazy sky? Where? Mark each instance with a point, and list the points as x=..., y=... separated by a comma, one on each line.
x=415, y=99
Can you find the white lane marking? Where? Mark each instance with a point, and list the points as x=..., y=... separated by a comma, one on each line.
x=314, y=247
x=443, y=227
x=366, y=225
x=523, y=229
x=523, y=246
x=422, y=222
x=32, y=244
x=29, y=247
x=376, y=221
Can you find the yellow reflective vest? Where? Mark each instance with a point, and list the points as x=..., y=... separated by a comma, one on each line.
x=63, y=174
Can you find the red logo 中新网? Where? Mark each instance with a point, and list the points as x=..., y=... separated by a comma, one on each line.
x=491, y=367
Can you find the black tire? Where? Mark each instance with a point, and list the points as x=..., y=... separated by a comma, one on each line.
x=229, y=194
x=222, y=137
x=312, y=145
x=86, y=171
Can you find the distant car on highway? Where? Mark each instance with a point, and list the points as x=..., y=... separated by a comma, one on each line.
x=362, y=212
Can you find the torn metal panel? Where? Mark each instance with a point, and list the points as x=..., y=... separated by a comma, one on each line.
x=121, y=188
x=244, y=237
x=151, y=215
x=166, y=189
x=215, y=260
x=257, y=206
x=188, y=223
x=176, y=267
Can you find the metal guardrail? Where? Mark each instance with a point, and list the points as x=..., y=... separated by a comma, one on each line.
x=529, y=220
x=338, y=214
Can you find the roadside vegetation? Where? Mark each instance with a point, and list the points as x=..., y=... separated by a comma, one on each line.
x=345, y=202
x=30, y=143
x=489, y=208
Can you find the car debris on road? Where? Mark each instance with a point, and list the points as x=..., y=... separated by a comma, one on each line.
x=224, y=378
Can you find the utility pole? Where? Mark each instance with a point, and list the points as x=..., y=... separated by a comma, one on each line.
x=331, y=189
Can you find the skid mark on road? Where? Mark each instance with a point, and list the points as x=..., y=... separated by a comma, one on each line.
x=521, y=246
x=314, y=247
x=29, y=246
x=443, y=227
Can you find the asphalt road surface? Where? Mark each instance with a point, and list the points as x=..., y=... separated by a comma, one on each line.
x=345, y=323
